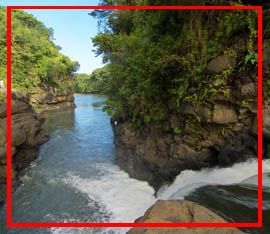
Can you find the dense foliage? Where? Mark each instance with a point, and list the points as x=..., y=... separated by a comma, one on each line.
x=158, y=59
x=82, y=83
x=96, y=83
x=36, y=60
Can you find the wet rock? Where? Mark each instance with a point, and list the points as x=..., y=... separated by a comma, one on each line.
x=181, y=211
x=219, y=64
x=224, y=114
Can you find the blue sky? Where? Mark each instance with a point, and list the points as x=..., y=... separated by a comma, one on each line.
x=73, y=29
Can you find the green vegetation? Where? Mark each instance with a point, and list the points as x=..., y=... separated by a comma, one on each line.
x=96, y=83
x=36, y=60
x=158, y=59
x=82, y=83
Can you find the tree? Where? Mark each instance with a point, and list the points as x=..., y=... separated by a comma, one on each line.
x=158, y=59
x=36, y=60
x=96, y=83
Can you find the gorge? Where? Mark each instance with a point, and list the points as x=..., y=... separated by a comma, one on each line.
x=166, y=131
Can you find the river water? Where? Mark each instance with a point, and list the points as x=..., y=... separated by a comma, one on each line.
x=75, y=180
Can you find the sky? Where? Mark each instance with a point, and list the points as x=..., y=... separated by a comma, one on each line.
x=73, y=29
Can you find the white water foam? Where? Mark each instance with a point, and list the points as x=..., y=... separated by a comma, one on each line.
x=124, y=197
x=253, y=180
x=189, y=180
x=127, y=199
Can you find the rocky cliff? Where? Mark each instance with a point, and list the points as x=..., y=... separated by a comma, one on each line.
x=181, y=212
x=27, y=135
x=219, y=132
x=50, y=99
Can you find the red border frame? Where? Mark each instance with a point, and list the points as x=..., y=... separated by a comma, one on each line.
x=12, y=224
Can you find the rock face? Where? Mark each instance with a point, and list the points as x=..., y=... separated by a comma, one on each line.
x=158, y=157
x=27, y=135
x=49, y=99
x=181, y=211
x=220, y=132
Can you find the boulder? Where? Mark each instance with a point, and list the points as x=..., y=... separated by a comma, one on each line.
x=181, y=211
x=219, y=64
x=224, y=114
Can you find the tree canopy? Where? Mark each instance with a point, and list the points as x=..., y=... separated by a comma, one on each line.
x=96, y=83
x=158, y=59
x=36, y=60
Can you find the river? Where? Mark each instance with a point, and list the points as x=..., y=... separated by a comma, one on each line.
x=75, y=179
